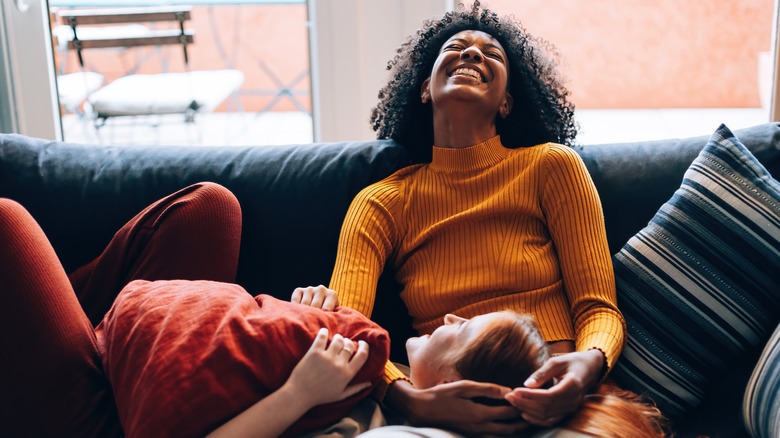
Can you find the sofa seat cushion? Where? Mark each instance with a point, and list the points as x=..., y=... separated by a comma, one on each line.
x=698, y=285
x=183, y=357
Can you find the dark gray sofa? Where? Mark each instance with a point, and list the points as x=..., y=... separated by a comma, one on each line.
x=294, y=198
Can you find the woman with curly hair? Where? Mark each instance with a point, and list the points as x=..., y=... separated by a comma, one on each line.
x=495, y=212
x=543, y=113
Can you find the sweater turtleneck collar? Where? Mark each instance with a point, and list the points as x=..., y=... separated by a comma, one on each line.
x=469, y=158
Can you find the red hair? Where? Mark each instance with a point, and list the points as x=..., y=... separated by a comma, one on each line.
x=511, y=348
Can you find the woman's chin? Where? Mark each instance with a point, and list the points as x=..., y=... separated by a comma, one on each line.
x=411, y=344
x=414, y=344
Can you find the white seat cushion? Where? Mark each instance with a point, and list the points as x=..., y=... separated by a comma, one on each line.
x=73, y=88
x=165, y=93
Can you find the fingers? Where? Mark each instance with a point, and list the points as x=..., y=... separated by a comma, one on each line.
x=348, y=348
x=297, y=295
x=316, y=296
x=331, y=301
x=515, y=398
x=472, y=389
x=545, y=407
x=320, y=341
x=353, y=356
x=354, y=353
x=324, y=373
x=550, y=369
x=336, y=344
x=303, y=295
x=484, y=412
x=360, y=357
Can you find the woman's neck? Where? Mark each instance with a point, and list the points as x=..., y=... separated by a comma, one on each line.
x=461, y=129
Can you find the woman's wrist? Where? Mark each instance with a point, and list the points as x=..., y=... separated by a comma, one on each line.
x=299, y=399
x=400, y=397
x=598, y=362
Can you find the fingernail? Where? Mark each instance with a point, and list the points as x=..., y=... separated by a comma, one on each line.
x=529, y=381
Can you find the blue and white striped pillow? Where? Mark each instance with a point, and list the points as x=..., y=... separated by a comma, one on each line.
x=700, y=285
x=761, y=406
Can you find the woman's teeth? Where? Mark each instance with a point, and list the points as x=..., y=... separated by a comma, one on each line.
x=468, y=72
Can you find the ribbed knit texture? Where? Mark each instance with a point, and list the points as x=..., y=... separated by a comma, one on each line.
x=192, y=234
x=49, y=356
x=483, y=229
x=48, y=350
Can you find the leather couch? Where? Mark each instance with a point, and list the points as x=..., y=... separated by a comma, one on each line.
x=294, y=198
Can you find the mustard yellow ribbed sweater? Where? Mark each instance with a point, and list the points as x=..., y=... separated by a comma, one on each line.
x=483, y=229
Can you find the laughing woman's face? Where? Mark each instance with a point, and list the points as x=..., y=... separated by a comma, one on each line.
x=471, y=67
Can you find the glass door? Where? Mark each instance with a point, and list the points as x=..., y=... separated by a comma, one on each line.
x=27, y=86
x=265, y=42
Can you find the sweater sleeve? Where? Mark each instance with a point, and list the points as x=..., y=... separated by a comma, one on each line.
x=576, y=223
x=368, y=236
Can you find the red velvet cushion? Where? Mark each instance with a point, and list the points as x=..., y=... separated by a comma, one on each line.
x=183, y=357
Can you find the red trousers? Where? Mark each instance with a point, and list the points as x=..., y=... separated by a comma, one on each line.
x=51, y=377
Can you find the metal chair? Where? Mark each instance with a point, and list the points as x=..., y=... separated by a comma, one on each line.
x=186, y=93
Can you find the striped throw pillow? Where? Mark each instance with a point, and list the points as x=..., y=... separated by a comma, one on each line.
x=700, y=285
x=761, y=406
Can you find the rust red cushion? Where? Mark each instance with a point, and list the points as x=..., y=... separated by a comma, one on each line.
x=183, y=357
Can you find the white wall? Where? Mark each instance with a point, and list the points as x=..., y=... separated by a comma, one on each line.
x=28, y=70
x=351, y=42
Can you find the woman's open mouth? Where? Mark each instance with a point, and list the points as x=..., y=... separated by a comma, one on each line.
x=470, y=72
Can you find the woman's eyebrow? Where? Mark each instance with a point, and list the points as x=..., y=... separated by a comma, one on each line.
x=497, y=47
x=457, y=40
x=465, y=41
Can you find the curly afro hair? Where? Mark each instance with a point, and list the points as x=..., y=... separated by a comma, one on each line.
x=542, y=112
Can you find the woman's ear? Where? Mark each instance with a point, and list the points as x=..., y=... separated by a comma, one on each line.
x=425, y=91
x=506, y=106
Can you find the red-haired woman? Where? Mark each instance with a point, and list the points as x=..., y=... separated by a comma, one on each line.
x=505, y=348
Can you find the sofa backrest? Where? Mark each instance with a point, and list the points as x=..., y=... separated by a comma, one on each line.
x=635, y=179
x=294, y=197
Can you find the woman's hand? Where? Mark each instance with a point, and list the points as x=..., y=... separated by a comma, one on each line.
x=320, y=377
x=324, y=372
x=316, y=296
x=451, y=406
x=576, y=374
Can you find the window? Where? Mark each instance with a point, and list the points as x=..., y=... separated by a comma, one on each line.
x=267, y=41
x=642, y=70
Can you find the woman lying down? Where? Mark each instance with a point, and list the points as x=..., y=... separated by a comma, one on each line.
x=195, y=358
